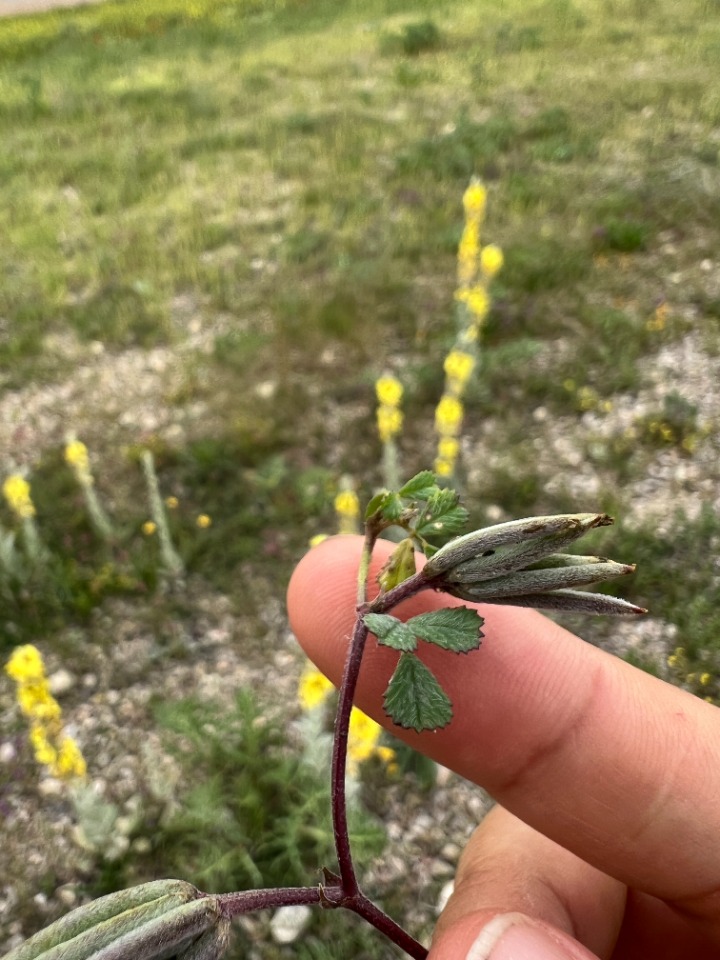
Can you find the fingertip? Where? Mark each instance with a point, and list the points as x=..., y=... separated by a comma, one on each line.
x=505, y=936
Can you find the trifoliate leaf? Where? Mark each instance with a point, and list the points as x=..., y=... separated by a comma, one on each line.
x=444, y=515
x=377, y=503
x=387, y=504
x=421, y=487
x=414, y=698
x=455, y=628
x=393, y=508
x=390, y=631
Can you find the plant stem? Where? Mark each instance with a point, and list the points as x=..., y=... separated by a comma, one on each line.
x=234, y=904
x=342, y=724
x=351, y=897
x=393, y=931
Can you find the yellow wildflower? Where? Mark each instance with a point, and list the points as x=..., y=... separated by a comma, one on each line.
x=478, y=302
x=459, y=366
x=386, y=754
x=468, y=252
x=313, y=689
x=76, y=455
x=474, y=200
x=347, y=507
x=448, y=416
x=444, y=468
x=149, y=528
x=16, y=491
x=389, y=422
x=491, y=260
x=25, y=664
x=347, y=504
x=389, y=391
x=203, y=521
x=44, y=751
x=448, y=448
x=35, y=700
x=317, y=539
x=705, y=679
x=363, y=735
x=171, y=503
x=70, y=761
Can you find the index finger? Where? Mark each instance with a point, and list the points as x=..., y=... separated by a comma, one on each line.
x=617, y=766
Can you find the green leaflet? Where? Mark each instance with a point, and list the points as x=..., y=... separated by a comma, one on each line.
x=414, y=699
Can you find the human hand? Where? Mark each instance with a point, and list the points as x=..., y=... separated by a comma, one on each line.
x=607, y=843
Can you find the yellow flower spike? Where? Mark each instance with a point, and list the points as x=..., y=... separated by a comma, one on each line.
x=444, y=468
x=16, y=491
x=468, y=253
x=363, y=736
x=314, y=688
x=388, y=391
x=203, y=521
x=70, y=761
x=491, y=260
x=478, y=302
x=474, y=200
x=386, y=754
x=347, y=504
x=448, y=448
x=448, y=416
x=389, y=422
x=459, y=366
x=35, y=700
x=25, y=664
x=149, y=528
x=76, y=455
x=44, y=751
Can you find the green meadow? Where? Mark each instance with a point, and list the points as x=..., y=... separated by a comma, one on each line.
x=244, y=212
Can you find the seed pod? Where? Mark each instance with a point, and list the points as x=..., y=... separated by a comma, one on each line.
x=153, y=920
x=211, y=945
x=506, y=547
x=539, y=580
x=569, y=601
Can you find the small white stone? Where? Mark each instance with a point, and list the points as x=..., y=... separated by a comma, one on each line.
x=289, y=923
x=50, y=787
x=266, y=389
x=61, y=681
x=67, y=895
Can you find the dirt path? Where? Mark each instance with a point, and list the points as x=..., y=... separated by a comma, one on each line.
x=10, y=8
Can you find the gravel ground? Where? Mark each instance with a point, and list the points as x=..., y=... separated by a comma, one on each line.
x=10, y=8
x=106, y=701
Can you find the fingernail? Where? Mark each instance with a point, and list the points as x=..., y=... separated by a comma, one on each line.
x=513, y=936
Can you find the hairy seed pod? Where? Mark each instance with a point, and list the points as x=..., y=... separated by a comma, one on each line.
x=507, y=547
x=540, y=581
x=153, y=921
x=568, y=601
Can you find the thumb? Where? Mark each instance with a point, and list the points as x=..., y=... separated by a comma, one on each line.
x=505, y=936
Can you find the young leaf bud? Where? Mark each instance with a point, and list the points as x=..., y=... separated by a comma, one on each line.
x=399, y=566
